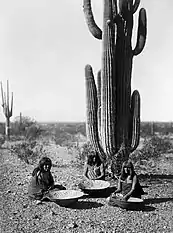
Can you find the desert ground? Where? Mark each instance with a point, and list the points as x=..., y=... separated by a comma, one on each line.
x=90, y=214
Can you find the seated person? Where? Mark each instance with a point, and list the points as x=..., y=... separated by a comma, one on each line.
x=42, y=180
x=94, y=168
x=128, y=184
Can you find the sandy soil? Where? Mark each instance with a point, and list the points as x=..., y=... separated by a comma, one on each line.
x=19, y=214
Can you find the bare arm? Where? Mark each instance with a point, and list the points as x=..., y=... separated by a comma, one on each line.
x=51, y=181
x=127, y=196
x=85, y=170
x=102, y=172
x=119, y=188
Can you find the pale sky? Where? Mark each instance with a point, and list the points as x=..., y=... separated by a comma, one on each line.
x=45, y=45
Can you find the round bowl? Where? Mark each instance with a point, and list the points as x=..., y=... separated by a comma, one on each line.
x=133, y=203
x=94, y=186
x=65, y=197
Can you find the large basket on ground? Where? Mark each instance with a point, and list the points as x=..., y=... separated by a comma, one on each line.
x=93, y=187
x=65, y=197
x=132, y=203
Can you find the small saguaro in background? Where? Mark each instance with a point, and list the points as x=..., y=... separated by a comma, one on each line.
x=7, y=108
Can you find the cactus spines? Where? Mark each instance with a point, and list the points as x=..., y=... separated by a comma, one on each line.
x=113, y=114
x=7, y=109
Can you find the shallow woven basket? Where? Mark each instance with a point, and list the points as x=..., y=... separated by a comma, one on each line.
x=94, y=186
x=65, y=197
x=133, y=203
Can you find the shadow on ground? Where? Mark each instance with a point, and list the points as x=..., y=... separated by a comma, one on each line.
x=148, y=208
x=101, y=193
x=144, y=209
x=157, y=200
x=85, y=205
x=155, y=176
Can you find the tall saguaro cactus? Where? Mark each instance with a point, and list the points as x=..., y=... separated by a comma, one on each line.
x=113, y=113
x=7, y=109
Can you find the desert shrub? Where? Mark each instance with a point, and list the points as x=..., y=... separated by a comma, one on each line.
x=81, y=128
x=82, y=152
x=2, y=140
x=28, y=151
x=72, y=128
x=20, y=124
x=151, y=128
x=2, y=128
x=26, y=127
x=61, y=137
x=33, y=132
x=155, y=147
x=152, y=148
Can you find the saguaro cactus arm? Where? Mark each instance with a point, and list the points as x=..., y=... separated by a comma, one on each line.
x=142, y=32
x=6, y=102
x=11, y=110
x=136, y=5
x=127, y=5
x=94, y=29
x=114, y=7
x=135, y=120
x=92, y=107
x=3, y=96
x=108, y=110
x=99, y=100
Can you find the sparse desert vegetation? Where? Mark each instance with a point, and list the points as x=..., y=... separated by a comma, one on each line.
x=38, y=139
x=153, y=162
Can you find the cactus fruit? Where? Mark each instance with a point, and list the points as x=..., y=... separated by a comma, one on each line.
x=113, y=114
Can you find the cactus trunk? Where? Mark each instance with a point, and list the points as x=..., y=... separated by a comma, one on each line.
x=108, y=95
x=113, y=113
x=7, y=128
x=7, y=109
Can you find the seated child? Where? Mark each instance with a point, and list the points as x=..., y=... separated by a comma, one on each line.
x=128, y=184
x=94, y=168
x=42, y=179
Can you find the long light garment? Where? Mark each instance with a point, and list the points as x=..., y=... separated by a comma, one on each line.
x=94, y=172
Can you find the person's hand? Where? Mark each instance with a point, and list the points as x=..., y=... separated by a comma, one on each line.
x=117, y=191
x=46, y=192
x=86, y=178
x=51, y=187
x=125, y=198
x=113, y=195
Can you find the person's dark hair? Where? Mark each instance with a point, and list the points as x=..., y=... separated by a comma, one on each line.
x=127, y=164
x=91, y=157
x=42, y=162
